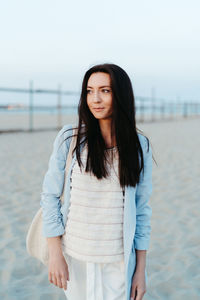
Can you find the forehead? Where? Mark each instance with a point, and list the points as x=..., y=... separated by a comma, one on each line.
x=99, y=79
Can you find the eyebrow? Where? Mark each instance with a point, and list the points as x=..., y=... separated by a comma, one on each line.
x=100, y=86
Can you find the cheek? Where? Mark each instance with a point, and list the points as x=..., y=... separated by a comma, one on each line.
x=88, y=102
x=108, y=103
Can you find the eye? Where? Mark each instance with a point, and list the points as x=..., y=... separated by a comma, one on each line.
x=106, y=90
x=88, y=91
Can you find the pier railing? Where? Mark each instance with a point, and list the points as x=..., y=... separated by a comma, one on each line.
x=28, y=116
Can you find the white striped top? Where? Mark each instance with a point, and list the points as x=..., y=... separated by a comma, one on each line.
x=94, y=227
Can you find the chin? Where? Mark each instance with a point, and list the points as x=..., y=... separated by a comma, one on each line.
x=99, y=116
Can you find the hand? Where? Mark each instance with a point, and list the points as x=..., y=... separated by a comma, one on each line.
x=138, y=288
x=58, y=273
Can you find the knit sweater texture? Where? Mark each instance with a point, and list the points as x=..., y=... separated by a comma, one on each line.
x=94, y=227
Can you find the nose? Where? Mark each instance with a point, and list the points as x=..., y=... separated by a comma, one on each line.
x=96, y=97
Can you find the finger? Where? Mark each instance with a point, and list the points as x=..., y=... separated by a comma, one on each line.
x=64, y=283
x=54, y=279
x=68, y=273
x=133, y=293
x=59, y=283
x=139, y=295
x=50, y=277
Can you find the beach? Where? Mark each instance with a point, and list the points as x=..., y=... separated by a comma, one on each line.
x=173, y=258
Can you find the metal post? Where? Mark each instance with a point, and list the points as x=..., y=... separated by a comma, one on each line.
x=31, y=105
x=185, y=111
x=162, y=110
x=171, y=105
x=59, y=116
x=177, y=106
x=153, y=96
x=142, y=110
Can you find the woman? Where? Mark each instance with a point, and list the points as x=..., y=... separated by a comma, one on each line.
x=105, y=219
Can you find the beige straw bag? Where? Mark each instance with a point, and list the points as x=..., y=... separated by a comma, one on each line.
x=36, y=243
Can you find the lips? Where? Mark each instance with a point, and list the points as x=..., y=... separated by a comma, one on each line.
x=98, y=108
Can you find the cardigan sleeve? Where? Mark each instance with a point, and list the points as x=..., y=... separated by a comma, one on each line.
x=143, y=193
x=52, y=186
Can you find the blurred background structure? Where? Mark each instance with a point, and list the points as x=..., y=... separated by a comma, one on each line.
x=48, y=42
x=32, y=114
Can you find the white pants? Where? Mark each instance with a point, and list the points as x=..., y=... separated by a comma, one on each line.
x=95, y=281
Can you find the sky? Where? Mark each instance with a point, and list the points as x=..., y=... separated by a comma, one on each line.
x=54, y=42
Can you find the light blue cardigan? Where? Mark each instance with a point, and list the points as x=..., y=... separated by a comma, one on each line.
x=137, y=211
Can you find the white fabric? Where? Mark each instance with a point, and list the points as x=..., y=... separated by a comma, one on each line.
x=95, y=281
x=94, y=228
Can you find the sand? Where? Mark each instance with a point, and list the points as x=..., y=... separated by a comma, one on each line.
x=173, y=258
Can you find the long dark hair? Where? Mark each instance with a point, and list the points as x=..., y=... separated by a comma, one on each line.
x=124, y=122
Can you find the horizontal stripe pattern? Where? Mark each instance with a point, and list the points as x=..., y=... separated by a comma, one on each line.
x=94, y=227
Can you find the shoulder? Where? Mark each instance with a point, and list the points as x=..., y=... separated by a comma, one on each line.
x=66, y=131
x=63, y=139
x=144, y=142
x=66, y=128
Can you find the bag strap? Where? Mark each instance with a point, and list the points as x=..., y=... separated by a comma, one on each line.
x=68, y=162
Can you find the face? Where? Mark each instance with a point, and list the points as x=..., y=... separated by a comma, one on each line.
x=99, y=95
